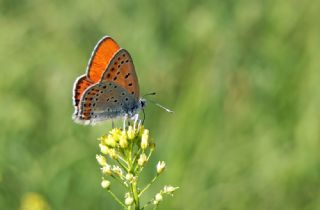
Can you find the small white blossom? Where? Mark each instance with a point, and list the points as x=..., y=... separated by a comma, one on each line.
x=128, y=201
x=105, y=184
x=113, y=154
x=169, y=189
x=101, y=160
x=142, y=159
x=129, y=177
x=117, y=170
x=144, y=139
x=161, y=166
x=106, y=169
x=103, y=149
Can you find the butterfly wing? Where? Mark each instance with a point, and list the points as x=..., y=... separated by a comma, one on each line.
x=121, y=71
x=105, y=100
x=80, y=85
x=103, y=52
x=101, y=56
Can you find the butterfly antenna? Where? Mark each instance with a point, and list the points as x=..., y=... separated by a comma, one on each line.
x=159, y=105
x=144, y=116
x=150, y=94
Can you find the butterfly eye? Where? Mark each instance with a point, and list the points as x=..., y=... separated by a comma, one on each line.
x=130, y=84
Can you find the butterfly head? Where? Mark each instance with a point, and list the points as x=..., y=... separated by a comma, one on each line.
x=143, y=102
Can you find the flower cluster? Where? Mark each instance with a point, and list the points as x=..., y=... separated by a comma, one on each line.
x=123, y=157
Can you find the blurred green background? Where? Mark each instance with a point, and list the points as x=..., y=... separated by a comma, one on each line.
x=243, y=79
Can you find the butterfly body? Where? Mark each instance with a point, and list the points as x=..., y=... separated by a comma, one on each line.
x=110, y=88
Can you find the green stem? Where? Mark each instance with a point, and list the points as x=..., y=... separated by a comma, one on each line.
x=117, y=199
x=123, y=166
x=135, y=195
x=152, y=181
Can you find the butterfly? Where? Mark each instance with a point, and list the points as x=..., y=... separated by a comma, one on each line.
x=110, y=87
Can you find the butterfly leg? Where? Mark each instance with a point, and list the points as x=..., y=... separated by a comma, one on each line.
x=135, y=118
x=139, y=125
x=124, y=122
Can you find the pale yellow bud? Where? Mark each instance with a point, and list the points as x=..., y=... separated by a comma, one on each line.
x=106, y=170
x=123, y=140
x=152, y=146
x=129, y=177
x=101, y=160
x=158, y=197
x=103, y=149
x=128, y=201
x=105, y=184
x=141, y=130
x=113, y=154
x=169, y=189
x=161, y=166
x=144, y=139
x=110, y=141
x=116, y=133
x=130, y=133
x=142, y=159
x=117, y=170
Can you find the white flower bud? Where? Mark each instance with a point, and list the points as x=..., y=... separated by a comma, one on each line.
x=113, y=154
x=105, y=184
x=161, y=166
x=158, y=197
x=106, y=170
x=144, y=139
x=129, y=177
x=128, y=201
x=117, y=170
x=101, y=160
x=142, y=159
x=103, y=149
x=169, y=189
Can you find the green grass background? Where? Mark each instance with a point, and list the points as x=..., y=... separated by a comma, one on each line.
x=243, y=78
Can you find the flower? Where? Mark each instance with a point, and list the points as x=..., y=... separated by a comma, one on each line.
x=117, y=170
x=144, y=139
x=123, y=140
x=110, y=141
x=113, y=154
x=128, y=199
x=103, y=149
x=106, y=170
x=142, y=159
x=157, y=199
x=129, y=177
x=116, y=133
x=130, y=133
x=161, y=166
x=169, y=189
x=105, y=184
x=101, y=160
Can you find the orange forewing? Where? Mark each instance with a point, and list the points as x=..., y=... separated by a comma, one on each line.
x=101, y=56
x=121, y=71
